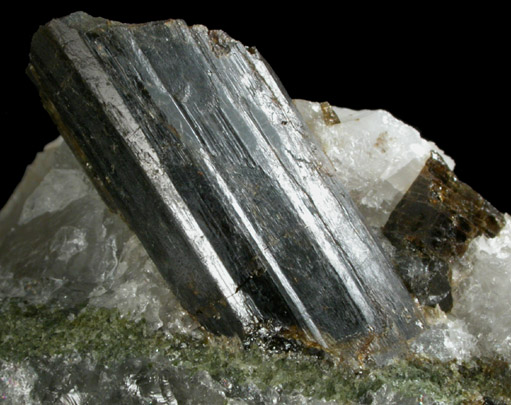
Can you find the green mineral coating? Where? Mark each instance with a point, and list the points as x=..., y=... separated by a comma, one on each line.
x=36, y=331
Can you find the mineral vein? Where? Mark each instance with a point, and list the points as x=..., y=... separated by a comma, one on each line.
x=192, y=139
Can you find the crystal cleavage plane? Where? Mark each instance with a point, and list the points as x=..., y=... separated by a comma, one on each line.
x=192, y=139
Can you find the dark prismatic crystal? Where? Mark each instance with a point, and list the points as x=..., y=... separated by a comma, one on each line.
x=433, y=224
x=192, y=139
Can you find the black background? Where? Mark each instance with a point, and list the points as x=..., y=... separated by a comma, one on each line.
x=444, y=72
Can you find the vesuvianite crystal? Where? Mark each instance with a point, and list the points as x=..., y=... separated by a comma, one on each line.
x=191, y=138
x=432, y=224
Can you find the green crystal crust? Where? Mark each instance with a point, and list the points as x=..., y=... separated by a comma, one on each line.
x=32, y=333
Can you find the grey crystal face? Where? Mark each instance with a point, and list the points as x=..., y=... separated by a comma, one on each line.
x=192, y=139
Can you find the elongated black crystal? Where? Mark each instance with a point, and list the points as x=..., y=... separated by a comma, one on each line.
x=192, y=139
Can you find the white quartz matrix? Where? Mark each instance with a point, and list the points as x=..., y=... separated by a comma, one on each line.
x=376, y=156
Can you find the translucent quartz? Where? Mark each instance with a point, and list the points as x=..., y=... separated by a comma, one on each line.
x=376, y=156
x=482, y=297
x=58, y=240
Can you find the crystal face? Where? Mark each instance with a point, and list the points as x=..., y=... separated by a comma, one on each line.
x=376, y=156
x=434, y=223
x=191, y=138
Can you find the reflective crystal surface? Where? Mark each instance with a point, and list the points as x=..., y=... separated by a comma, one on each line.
x=376, y=156
x=434, y=223
x=191, y=138
x=478, y=323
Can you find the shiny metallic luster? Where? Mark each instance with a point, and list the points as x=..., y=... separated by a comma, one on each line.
x=192, y=139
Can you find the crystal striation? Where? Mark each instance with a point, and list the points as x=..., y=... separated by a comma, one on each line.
x=191, y=138
x=378, y=158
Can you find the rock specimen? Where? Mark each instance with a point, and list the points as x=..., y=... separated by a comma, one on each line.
x=434, y=223
x=63, y=255
x=191, y=138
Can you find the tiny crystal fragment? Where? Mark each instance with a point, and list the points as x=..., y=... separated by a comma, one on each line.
x=191, y=138
x=329, y=115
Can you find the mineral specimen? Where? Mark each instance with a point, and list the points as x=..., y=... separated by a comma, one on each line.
x=87, y=317
x=192, y=139
x=62, y=256
x=378, y=158
x=434, y=223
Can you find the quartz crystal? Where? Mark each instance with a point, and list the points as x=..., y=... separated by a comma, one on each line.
x=479, y=323
x=376, y=156
x=192, y=139
x=482, y=285
x=74, y=250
